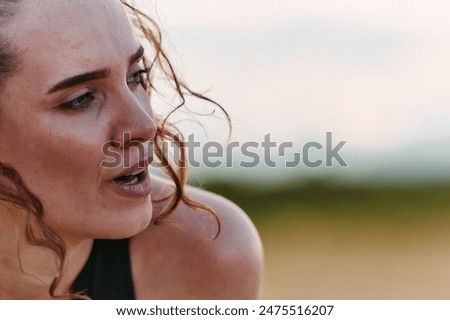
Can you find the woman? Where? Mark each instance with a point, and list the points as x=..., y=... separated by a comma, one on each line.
x=71, y=83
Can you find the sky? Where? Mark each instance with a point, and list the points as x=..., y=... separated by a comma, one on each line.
x=374, y=73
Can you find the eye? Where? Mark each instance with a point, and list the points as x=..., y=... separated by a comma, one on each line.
x=138, y=78
x=79, y=103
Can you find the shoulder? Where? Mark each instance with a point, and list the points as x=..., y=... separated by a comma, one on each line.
x=179, y=259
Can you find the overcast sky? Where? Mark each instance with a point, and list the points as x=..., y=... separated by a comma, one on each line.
x=375, y=73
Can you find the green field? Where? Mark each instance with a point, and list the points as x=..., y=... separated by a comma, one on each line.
x=329, y=240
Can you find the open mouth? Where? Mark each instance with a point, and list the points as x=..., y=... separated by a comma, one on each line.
x=132, y=178
x=133, y=182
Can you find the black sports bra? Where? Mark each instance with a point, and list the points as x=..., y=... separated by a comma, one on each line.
x=107, y=273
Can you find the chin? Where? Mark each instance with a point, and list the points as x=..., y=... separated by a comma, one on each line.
x=131, y=223
x=99, y=222
x=111, y=224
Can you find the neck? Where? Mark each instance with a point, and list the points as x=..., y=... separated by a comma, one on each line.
x=27, y=271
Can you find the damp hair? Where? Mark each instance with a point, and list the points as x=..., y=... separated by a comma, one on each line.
x=13, y=189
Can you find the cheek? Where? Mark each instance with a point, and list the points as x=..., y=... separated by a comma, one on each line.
x=56, y=163
x=63, y=170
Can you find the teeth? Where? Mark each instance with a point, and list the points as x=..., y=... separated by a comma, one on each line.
x=135, y=173
x=133, y=181
x=131, y=178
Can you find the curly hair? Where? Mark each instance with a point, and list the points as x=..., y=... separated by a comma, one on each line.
x=13, y=189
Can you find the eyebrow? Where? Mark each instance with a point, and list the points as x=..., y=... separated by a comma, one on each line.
x=79, y=79
x=137, y=55
x=94, y=75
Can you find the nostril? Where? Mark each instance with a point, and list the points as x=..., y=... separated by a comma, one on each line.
x=115, y=144
x=132, y=123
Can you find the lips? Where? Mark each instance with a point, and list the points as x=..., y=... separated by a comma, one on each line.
x=133, y=172
x=131, y=178
x=133, y=182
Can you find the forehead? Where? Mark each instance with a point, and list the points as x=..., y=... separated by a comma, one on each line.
x=68, y=36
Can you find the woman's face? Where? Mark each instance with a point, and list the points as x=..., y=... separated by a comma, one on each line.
x=78, y=87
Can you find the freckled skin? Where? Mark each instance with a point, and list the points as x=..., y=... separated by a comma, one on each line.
x=58, y=154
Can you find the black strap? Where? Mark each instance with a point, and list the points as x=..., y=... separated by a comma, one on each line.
x=107, y=273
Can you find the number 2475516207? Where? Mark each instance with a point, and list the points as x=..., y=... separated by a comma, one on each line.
x=293, y=310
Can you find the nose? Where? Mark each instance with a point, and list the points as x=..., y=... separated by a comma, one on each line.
x=134, y=121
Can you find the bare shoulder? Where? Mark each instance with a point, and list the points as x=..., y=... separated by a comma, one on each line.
x=179, y=259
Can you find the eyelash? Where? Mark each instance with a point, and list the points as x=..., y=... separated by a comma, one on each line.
x=79, y=103
x=84, y=101
x=138, y=77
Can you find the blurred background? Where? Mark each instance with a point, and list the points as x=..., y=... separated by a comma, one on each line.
x=373, y=73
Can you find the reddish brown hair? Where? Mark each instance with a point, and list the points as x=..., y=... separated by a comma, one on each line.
x=14, y=190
